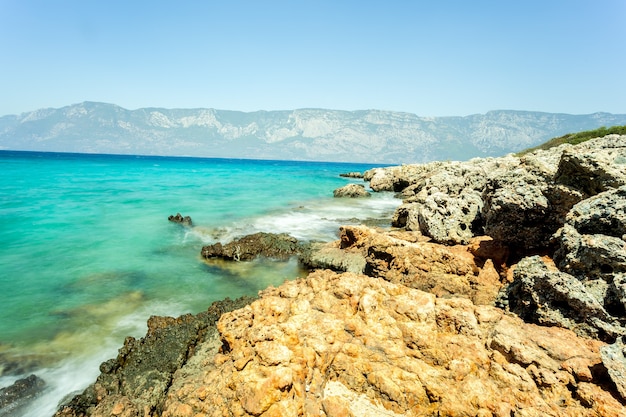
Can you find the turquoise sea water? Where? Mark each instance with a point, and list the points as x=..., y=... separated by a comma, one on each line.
x=87, y=253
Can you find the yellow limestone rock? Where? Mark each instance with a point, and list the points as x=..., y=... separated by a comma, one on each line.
x=350, y=345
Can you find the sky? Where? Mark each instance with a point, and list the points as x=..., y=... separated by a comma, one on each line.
x=430, y=58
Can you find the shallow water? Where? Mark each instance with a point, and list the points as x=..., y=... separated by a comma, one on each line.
x=87, y=253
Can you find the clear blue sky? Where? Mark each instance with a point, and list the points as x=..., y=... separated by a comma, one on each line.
x=432, y=58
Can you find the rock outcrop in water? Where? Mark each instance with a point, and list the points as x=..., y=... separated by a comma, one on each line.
x=16, y=396
x=180, y=219
x=246, y=248
x=137, y=381
x=500, y=291
x=352, y=191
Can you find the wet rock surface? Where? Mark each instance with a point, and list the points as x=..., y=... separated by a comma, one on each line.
x=19, y=394
x=180, y=219
x=270, y=245
x=136, y=382
x=353, y=174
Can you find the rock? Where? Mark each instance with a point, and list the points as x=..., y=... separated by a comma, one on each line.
x=407, y=258
x=589, y=256
x=352, y=191
x=178, y=218
x=614, y=359
x=542, y=294
x=519, y=201
x=14, y=397
x=395, y=178
x=594, y=170
x=319, y=255
x=590, y=246
x=524, y=210
x=604, y=213
x=448, y=220
x=271, y=245
x=137, y=381
x=351, y=175
x=347, y=344
x=444, y=202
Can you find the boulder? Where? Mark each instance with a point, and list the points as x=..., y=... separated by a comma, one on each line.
x=604, y=213
x=352, y=191
x=444, y=202
x=447, y=219
x=592, y=170
x=178, y=218
x=542, y=294
x=318, y=255
x=524, y=210
x=270, y=245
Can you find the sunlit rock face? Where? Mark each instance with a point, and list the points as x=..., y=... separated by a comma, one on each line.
x=347, y=344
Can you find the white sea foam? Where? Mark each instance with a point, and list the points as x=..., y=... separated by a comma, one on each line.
x=315, y=220
x=72, y=375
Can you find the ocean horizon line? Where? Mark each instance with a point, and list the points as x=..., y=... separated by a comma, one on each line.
x=185, y=157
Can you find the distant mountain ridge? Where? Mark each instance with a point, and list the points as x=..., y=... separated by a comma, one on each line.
x=305, y=134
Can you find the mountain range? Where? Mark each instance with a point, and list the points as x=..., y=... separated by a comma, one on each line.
x=374, y=136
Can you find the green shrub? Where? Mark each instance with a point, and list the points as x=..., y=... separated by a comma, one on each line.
x=576, y=138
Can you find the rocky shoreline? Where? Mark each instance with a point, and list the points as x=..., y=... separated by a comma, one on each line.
x=500, y=290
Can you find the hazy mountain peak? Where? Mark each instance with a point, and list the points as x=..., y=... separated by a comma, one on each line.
x=376, y=136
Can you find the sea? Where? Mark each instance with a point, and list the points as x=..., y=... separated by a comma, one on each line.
x=87, y=253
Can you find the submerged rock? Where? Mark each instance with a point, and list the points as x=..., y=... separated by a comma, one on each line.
x=18, y=395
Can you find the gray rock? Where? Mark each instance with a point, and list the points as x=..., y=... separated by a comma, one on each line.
x=395, y=178
x=594, y=171
x=20, y=394
x=553, y=298
x=614, y=360
x=180, y=219
x=524, y=210
x=587, y=255
x=447, y=219
x=590, y=246
x=327, y=256
x=618, y=289
x=352, y=191
x=604, y=213
x=351, y=175
x=270, y=245
x=444, y=202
